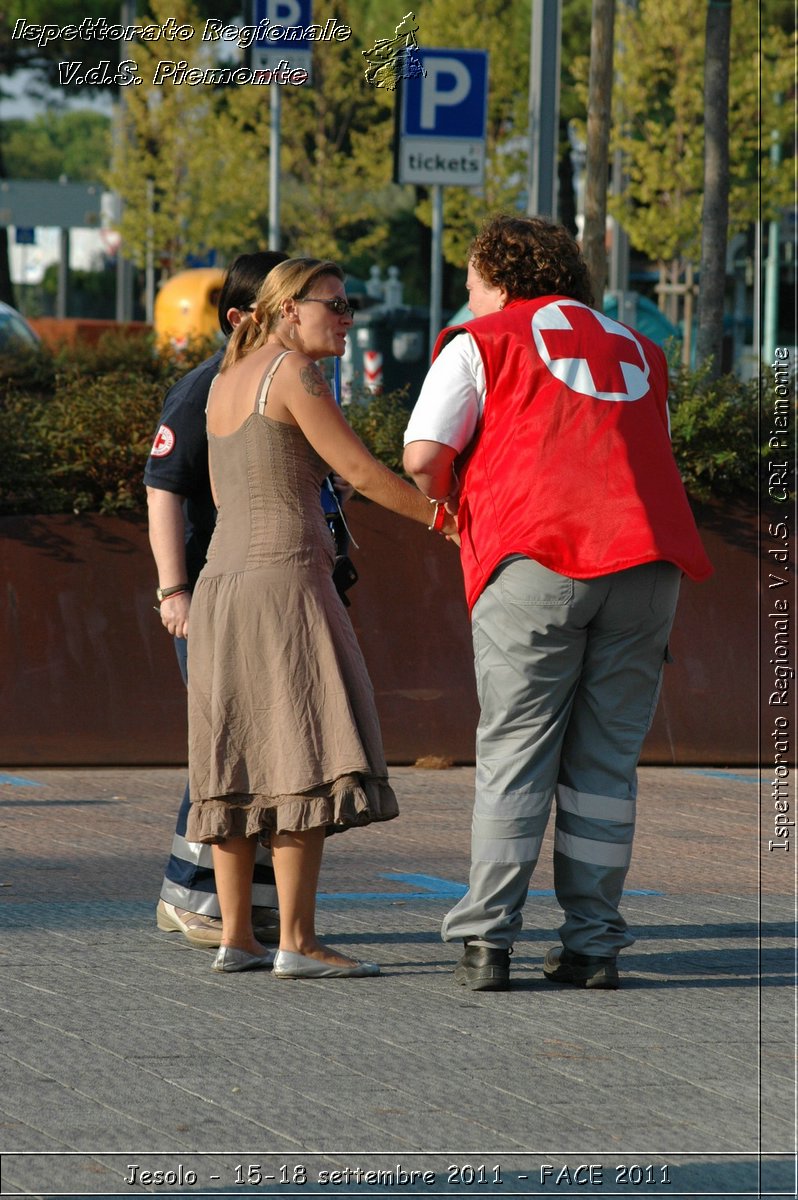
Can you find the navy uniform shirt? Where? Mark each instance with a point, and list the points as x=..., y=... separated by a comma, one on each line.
x=178, y=460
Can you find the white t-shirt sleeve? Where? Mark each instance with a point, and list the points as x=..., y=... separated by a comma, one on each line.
x=452, y=396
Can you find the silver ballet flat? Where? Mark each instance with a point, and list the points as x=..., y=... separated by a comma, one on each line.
x=288, y=965
x=229, y=958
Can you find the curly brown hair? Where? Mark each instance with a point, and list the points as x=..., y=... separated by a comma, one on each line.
x=530, y=257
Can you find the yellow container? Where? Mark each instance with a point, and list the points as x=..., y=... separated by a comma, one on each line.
x=186, y=306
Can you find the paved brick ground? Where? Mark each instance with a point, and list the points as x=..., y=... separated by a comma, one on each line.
x=119, y=1046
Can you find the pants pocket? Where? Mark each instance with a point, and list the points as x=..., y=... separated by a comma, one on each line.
x=526, y=582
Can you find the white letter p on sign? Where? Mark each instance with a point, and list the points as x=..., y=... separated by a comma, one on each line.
x=284, y=12
x=433, y=97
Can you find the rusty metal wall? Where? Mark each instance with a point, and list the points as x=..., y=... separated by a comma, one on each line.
x=57, y=332
x=90, y=678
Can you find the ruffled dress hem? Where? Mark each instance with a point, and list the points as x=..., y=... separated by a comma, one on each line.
x=349, y=801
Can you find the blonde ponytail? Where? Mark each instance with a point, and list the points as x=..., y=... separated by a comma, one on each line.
x=246, y=336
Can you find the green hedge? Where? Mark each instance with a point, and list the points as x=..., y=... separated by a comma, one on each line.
x=715, y=433
x=76, y=428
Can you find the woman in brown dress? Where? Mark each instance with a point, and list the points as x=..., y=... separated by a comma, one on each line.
x=284, y=742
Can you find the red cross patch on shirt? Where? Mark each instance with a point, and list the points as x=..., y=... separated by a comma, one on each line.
x=590, y=353
x=164, y=442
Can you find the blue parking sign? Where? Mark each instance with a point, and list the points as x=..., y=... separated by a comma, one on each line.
x=285, y=13
x=275, y=45
x=443, y=119
x=450, y=98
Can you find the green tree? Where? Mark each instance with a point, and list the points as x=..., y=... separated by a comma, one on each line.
x=660, y=71
x=18, y=53
x=338, y=195
x=76, y=144
x=193, y=168
x=190, y=159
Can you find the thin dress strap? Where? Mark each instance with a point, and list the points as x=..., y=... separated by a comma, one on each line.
x=266, y=383
x=210, y=389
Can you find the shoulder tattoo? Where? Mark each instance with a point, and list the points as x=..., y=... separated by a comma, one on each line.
x=313, y=381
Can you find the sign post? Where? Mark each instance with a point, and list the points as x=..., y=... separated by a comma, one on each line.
x=544, y=108
x=274, y=170
x=442, y=131
x=436, y=265
x=269, y=54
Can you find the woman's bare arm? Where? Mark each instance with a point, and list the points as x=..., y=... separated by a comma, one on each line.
x=305, y=399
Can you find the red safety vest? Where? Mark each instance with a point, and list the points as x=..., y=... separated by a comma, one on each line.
x=571, y=462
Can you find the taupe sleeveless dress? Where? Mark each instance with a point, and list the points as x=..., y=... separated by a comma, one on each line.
x=283, y=731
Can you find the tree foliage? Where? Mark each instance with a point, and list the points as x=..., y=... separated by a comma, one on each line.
x=76, y=144
x=192, y=165
x=204, y=151
x=76, y=428
x=188, y=164
x=659, y=122
x=337, y=133
x=192, y=162
x=714, y=431
x=20, y=53
x=380, y=423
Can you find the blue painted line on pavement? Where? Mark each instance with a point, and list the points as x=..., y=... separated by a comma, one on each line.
x=358, y=897
x=438, y=889
x=445, y=887
x=18, y=781
x=429, y=883
x=723, y=775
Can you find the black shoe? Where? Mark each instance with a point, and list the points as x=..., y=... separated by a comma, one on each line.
x=484, y=969
x=582, y=970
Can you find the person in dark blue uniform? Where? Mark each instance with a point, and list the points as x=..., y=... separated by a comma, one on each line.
x=181, y=521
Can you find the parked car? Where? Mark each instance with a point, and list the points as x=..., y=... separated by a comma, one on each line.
x=15, y=332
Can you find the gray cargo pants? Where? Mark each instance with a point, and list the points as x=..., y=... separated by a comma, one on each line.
x=568, y=676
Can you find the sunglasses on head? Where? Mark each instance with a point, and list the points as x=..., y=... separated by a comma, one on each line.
x=336, y=305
